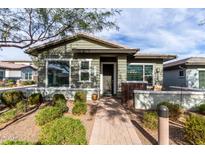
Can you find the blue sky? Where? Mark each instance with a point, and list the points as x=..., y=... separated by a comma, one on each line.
x=166, y=31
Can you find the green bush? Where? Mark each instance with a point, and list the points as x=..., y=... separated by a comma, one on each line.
x=21, y=106
x=10, y=98
x=35, y=99
x=57, y=97
x=61, y=105
x=201, y=108
x=195, y=129
x=79, y=108
x=15, y=142
x=80, y=96
x=150, y=120
x=47, y=114
x=29, y=82
x=174, y=109
x=63, y=131
x=8, y=115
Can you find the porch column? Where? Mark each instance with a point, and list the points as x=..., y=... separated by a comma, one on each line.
x=121, y=71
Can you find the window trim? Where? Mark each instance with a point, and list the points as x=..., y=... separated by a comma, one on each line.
x=143, y=64
x=84, y=70
x=56, y=59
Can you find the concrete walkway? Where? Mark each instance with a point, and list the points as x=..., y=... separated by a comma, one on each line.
x=112, y=125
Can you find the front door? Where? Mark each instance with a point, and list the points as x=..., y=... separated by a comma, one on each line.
x=108, y=79
x=202, y=79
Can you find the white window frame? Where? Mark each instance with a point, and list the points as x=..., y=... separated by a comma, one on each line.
x=56, y=59
x=143, y=64
x=27, y=73
x=84, y=70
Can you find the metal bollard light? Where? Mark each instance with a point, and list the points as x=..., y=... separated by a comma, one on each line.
x=163, y=125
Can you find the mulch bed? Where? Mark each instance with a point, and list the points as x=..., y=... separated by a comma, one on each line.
x=149, y=136
x=23, y=127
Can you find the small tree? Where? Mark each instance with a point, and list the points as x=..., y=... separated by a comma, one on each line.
x=22, y=28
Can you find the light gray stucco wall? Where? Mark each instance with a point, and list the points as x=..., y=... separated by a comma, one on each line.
x=172, y=78
x=150, y=99
x=192, y=78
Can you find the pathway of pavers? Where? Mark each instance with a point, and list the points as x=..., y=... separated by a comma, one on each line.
x=112, y=125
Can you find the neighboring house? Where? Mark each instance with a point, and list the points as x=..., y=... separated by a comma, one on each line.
x=84, y=62
x=16, y=71
x=189, y=72
x=24, y=62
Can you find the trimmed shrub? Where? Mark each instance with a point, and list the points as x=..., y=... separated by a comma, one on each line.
x=57, y=97
x=35, y=99
x=47, y=114
x=80, y=96
x=61, y=105
x=201, y=108
x=195, y=129
x=10, y=98
x=79, y=108
x=174, y=109
x=31, y=82
x=6, y=116
x=21, y=106
x=150, y=120
x=63, y=131
x=15, y=142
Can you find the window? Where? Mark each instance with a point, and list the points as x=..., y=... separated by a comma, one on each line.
x=1, y=75
x=181, y=73
x=84, y=72
x=58, y=73
x=140, y=73
x=28, y=75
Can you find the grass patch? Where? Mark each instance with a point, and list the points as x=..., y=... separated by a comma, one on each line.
x=8, y=115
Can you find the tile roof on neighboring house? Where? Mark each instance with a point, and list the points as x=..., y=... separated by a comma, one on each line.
x=188, y=61
x=112, y=44
x=9, y=65
x=13, y=61
x=164, y=57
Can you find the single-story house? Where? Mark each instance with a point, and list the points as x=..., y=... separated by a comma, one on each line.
x=189, y=72
x=10, y=70
x=24, y=62
x=85, y=62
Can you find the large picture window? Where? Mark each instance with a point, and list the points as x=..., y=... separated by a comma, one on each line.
x=84, y=72
x=58, y=73
x=139, y=72
x=28, y=75
x=1, y=75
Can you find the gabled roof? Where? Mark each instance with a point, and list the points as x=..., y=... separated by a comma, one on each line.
x=164, y=57
x=188, y=61
x=8, y=65
x=78, y=36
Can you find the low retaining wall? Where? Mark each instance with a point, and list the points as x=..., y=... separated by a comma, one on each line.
x=176, y=88
x=150, y=99
x=69, y=93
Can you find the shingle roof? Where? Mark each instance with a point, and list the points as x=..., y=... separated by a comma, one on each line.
x=8, y=65
x=77, y=35
x=187, y=61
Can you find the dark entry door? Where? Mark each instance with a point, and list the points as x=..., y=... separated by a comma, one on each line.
x=108, y=79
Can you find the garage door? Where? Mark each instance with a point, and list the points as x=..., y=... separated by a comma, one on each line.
x=201, y=79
